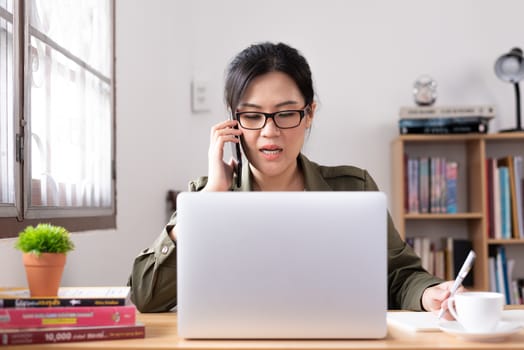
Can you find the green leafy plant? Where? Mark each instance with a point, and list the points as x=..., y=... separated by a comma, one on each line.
x=44, y=238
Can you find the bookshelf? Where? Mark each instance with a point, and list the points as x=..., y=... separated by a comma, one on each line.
x=470, y=151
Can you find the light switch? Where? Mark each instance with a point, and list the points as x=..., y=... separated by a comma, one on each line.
x=200, y=96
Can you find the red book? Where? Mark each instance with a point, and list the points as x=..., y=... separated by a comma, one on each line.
x=67, y=316
x=70, y=334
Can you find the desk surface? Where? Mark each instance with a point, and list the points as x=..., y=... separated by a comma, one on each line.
x=161, y=334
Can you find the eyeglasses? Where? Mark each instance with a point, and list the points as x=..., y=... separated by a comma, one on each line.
x=283, y=119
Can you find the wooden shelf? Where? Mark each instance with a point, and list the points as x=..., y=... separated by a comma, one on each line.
x=506, y=241
x=470, y=151
x=457, y=216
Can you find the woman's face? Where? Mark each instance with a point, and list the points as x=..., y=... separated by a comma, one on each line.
x=270, y=150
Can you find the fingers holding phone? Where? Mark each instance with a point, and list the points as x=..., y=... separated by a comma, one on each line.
x=220, y=173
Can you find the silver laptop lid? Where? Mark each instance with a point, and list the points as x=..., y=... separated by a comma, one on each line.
x=282, y=264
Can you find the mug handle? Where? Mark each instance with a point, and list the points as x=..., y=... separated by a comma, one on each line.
x=451, y=308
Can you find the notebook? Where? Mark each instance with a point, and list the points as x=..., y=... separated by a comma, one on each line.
x=282, y=265
x=428, y=322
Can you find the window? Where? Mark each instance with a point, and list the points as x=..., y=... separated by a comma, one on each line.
x=56, y=114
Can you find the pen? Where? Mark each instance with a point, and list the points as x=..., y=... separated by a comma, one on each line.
x=460, y=277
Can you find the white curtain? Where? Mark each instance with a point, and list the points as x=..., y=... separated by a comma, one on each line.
x=70, y=103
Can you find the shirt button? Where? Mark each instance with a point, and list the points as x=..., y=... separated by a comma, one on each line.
x=165, y=249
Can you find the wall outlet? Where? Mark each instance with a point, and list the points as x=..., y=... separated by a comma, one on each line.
x=200, y=96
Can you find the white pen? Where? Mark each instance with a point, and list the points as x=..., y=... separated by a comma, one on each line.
x=460, y=277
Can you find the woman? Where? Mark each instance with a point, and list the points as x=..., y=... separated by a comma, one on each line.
x=269, y=92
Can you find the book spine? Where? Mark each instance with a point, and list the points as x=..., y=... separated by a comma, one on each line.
x=445, y=129
x=497, y=210
x=489, y=199
x=443, y=186
x=485, y=111
x=517, y=162
x=461, y=248
x=451, y=186
x=424, y=184
x=492, y=274
x=504, y=271
x=66, y=335
x=522, y=196
x=413, y=204
x=505, y=202
x=59, y=302
x=67, y=316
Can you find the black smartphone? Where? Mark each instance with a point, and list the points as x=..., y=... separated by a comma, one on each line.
x=237, y=153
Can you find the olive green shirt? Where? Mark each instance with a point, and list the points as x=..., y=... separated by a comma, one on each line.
x=153, y=279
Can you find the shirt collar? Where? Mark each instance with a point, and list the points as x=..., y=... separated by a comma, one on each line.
x=313, y=180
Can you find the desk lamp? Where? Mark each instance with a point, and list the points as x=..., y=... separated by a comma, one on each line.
x=510, y=67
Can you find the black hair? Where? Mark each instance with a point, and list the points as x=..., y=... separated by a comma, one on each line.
x=259, y=59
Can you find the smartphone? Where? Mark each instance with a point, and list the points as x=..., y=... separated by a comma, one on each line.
x=239, y=164
x=237, y=153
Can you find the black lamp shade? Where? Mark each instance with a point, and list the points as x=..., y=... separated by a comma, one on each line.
x=510, y=67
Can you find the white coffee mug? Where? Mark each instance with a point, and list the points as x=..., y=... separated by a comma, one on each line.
x=477, y=312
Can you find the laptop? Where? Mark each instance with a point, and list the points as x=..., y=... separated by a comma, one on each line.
x=282, y=265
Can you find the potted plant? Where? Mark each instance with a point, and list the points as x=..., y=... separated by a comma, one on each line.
x=44, y=250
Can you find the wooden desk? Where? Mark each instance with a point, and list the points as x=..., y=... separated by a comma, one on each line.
x=161, y=334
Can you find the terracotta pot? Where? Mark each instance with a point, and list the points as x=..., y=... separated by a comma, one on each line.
x=44, y=273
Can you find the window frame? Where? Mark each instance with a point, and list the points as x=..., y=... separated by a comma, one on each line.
x=12, y=210
x=15, y=217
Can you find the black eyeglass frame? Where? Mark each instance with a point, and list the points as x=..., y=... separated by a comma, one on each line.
x=301, y=112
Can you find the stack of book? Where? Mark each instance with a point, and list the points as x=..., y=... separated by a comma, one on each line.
x=501, y=276
x=445, y=119
x=505, y=197
x=444, y=261
x=431, y=185
x=76, y=314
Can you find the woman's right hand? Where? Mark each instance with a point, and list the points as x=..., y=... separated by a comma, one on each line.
x=220, y=173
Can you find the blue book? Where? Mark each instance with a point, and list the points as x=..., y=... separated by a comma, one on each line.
x=451, y=187
x=505, y=202
x=518, y=172
x=505, y=277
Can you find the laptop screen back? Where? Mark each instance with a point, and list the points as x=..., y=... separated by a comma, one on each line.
x=282, y=265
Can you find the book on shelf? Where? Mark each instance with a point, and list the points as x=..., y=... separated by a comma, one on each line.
x=67, y=316
x=67, y=296
x=514, y=166
x=492, y=273
x=497, y=212
x=515, y=295
x=451, y=187
x=443, y=126
x=432, y=259
x=489, y=198
x=424, y=176
x=434, y=185
x=518, y=175
x=456, y=252
x=427, y=185
x=413, y=176
x=520, y=286
x=458, y=111
x=504, y=193
x=505, y=202
x=16, y=336
x=503, y=272
x=522, y=197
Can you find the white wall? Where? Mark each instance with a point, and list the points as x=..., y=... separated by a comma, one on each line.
x=364, y=54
